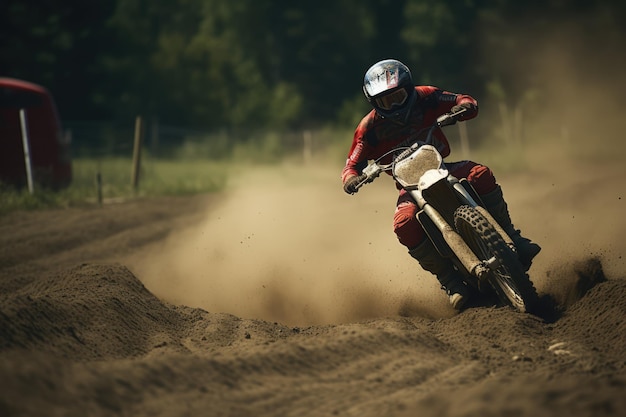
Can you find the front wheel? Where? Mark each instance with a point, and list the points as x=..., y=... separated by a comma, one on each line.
x=507, y=276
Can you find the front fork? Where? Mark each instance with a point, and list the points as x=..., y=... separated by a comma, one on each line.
x=439, y=228
x=467, y=192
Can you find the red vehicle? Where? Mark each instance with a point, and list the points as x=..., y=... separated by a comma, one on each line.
x=49, y=151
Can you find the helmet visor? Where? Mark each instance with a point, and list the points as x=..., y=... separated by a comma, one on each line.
x=396, y=98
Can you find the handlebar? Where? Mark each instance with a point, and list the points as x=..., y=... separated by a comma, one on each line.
x=449, y=118
x=374, y=169
x=370, y=173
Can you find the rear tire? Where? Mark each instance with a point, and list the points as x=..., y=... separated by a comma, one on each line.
x=509, y=280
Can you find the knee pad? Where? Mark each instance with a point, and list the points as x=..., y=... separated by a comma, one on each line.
x=406, y=226
x=482, y=179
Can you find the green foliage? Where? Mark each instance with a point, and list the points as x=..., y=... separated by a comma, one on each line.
x=352, y=111
x=157, y=178
x=210, y=64
x=12, y=199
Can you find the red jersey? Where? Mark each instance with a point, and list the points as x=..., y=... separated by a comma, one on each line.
x=375, y=135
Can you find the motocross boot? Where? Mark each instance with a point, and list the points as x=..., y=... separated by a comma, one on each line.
x=497, y=207
x=450, y=279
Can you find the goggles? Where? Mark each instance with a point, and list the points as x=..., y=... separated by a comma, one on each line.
x=396, y=98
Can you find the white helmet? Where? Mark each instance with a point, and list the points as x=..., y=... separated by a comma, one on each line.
x=388, y=86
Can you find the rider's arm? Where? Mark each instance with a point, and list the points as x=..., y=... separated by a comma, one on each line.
x=437, y=102
x=444, y=101
x=357, y=157
x=467, y=102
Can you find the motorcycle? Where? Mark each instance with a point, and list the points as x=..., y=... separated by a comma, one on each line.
x=456, y=221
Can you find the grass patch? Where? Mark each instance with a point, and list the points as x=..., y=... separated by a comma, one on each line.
x=157, y=178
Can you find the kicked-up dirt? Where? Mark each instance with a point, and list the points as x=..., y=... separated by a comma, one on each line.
x=282, y=299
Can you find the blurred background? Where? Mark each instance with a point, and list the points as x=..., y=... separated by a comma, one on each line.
x=215, y=80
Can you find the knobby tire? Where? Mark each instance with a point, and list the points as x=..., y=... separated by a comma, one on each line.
x=509, y=280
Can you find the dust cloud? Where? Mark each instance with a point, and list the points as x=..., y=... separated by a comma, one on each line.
x=300, y=253
x=569, y=194
x=566, y=84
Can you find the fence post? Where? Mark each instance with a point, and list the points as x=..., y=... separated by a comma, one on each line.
x=99, y=187
x=507, y=131
x=154, y=136
x=307, y=149
x=26, y=145
x=137, y=153
x=465, y=148
x=518, y=127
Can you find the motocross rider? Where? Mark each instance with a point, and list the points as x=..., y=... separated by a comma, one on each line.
x=400, y=111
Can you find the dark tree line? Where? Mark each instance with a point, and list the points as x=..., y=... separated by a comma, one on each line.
x=278, y=63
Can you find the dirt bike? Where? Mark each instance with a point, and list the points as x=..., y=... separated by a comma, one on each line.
x=455, y=220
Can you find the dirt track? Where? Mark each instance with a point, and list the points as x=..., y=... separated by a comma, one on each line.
x=259, y=303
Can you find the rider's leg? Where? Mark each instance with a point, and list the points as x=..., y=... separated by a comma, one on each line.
x=450, y=279
x=526, y=250
x=410, y=234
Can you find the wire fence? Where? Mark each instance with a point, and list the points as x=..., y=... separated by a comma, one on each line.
x=97, y=139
